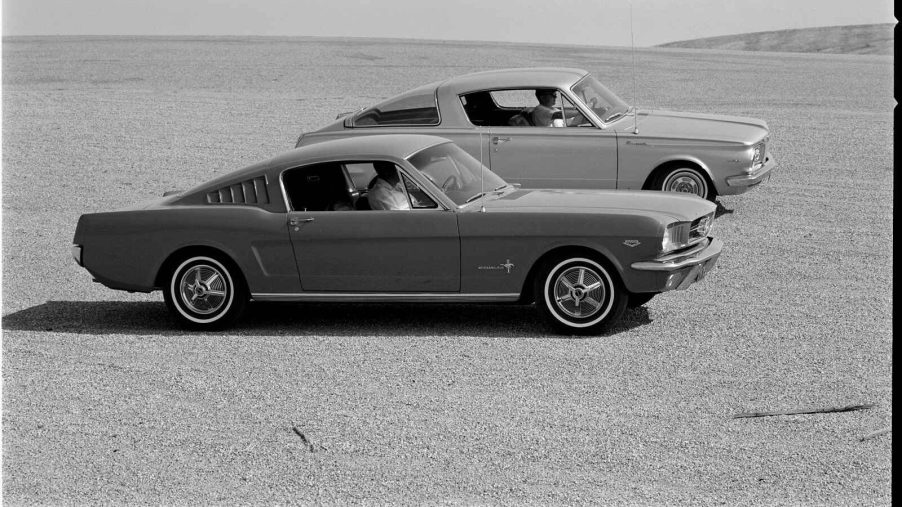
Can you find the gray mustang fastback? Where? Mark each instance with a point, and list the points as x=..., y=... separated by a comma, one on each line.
x=561, y=128
x=408, y=218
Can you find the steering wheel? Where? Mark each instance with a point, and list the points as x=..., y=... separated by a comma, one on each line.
x=578, y=120
x=451, y=180
x=600, y=111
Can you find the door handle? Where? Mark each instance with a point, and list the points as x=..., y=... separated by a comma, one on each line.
x=499, y=140
x=296, y=222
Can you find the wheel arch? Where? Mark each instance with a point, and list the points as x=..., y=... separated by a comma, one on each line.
x=526, y=293
x=690, y=162
x=176, y=257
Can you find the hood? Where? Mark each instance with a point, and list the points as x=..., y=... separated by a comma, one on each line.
x=694, y=126
x=675, y=205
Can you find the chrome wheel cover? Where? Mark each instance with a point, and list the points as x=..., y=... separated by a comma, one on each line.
x=203, y=289
x=687, y=181
x=579, y=292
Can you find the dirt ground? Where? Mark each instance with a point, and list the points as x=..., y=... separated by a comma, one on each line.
x=105, y=401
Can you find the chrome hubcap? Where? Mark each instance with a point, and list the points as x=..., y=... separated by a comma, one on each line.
x=579, y=292
x=686, y=182
x=203, y=289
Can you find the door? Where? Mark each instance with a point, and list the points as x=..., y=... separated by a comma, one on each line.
x=554, y=157
x=357, y=249
x=539, y=139
x=473, y=141
x=376, y=251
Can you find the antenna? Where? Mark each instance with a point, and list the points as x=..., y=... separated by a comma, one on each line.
x=481, y=175
x=633, y=51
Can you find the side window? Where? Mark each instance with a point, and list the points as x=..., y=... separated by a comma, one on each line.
x=320, y=187
x=380, y=185
x=481, y=109
x=361, y=173
x=515, y=98
x=525, y=107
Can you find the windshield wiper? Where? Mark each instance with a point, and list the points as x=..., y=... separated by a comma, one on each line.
x=480, y=194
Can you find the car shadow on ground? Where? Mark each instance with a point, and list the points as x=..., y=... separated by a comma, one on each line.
x=303, y=319
x=721, y=210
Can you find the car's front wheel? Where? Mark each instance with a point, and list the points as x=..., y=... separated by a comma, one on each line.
x=203, y=292
x=578, y=295
x=684, y=179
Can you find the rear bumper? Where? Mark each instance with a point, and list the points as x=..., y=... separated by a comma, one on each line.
x=685, y=268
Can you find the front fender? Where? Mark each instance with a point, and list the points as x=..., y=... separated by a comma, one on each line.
x=639, y=159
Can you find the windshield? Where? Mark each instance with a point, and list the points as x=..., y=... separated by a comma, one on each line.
x=459, y=175
x=599, y=99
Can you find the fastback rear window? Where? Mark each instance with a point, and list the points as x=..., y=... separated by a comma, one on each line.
x=417, y=107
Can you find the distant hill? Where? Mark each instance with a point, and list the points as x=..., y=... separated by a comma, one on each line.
x=850, y=39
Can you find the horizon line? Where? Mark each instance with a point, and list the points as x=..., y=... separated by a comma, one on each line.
x=415, y=39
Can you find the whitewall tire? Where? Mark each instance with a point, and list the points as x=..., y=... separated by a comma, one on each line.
x=687, y=180
x=578, y=295
x=203, y=292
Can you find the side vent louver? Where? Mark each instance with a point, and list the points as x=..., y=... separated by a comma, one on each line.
x=246, y=192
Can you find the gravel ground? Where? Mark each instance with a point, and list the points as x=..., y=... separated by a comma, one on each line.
x=104, y=401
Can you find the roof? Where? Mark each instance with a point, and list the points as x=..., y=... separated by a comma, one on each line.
x=398, y=146
x=534, y=77
x=393, y=145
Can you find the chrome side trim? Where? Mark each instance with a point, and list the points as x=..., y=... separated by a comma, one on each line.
x=419, y=297
x=705, y=252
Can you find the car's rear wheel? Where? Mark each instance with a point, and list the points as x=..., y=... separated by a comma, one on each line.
x=205, y=292
x=684, y=179
x=578, y=295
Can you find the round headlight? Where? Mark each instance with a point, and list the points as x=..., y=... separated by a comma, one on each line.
x=704, y=226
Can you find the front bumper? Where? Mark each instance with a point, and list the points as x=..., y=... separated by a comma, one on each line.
x=682, y=269
x=743, y=182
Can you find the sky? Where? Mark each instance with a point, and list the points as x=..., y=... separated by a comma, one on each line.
x=588, y=22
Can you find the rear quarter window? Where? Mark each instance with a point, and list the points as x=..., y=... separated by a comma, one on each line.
x=415, y=108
